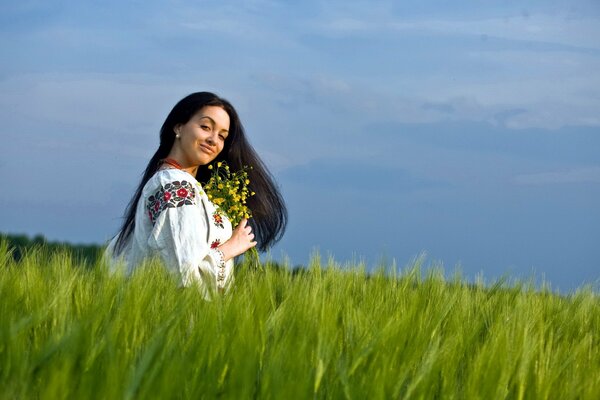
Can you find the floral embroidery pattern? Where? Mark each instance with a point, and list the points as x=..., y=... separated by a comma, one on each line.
x=218, y=219
x=216, y=243
x=172, y=195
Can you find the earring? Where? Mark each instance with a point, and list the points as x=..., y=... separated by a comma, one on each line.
x=177, y=135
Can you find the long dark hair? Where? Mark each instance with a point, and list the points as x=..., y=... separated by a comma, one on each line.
x=269, y=213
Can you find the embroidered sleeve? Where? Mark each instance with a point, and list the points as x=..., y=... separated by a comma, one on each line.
x=172, y=195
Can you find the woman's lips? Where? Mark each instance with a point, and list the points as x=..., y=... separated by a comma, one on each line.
x=206, y=149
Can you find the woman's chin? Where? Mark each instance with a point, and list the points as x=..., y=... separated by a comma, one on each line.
x=205, y=160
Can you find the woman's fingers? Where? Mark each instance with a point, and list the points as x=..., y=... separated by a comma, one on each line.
x=246, y=228
x=244, y=232
x=241, y=239
x=249, y=234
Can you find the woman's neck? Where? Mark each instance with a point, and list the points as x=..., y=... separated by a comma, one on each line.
x=190, y=169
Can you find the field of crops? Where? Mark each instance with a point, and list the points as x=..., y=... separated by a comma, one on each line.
x=74, y=331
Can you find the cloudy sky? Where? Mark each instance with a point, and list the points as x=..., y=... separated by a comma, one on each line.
x=470, y=133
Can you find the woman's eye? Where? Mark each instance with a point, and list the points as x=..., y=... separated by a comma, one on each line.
x=205, y=127
x=222, y=137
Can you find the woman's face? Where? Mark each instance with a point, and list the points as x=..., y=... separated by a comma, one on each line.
x=202, y=138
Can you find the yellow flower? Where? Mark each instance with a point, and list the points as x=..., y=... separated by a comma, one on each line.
x=230, y=191
x=210, y=167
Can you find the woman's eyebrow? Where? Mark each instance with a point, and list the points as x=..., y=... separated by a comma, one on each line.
x=213, y=122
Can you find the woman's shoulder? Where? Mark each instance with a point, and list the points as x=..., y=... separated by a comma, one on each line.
x=171, y=188
x=170, y=176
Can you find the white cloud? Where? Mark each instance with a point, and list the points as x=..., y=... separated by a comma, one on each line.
x=545, y=28
x=107, y=101
x=548, y=67
x=578, y=175
x=540, y=28
x=533, y=103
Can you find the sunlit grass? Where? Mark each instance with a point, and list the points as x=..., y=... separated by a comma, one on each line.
x=72, y=331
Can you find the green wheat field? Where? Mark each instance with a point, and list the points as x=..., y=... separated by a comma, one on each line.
x=70, y=330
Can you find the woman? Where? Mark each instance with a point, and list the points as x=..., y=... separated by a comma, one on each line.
x=171, y=216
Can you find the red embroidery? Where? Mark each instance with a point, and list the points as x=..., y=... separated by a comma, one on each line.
x=172, y=195
x=215, y=244
x=218, y=219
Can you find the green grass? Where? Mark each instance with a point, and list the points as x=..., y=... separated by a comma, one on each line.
x=72, y=331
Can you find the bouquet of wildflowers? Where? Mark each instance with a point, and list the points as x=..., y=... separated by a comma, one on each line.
x=229, y=192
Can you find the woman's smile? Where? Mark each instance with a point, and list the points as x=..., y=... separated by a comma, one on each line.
x=205, y=148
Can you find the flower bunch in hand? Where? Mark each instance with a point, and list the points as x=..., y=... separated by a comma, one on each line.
x=229, y=191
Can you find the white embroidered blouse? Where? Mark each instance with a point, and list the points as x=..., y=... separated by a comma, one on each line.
x=176, y=221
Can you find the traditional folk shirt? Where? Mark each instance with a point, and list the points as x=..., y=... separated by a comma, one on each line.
x=176, y=221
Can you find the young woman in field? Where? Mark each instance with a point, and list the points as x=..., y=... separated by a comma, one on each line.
x=170, y=215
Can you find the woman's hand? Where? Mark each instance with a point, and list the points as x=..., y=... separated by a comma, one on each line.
x=241, y=240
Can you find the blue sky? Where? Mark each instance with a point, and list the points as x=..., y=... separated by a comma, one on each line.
x=469, y=132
